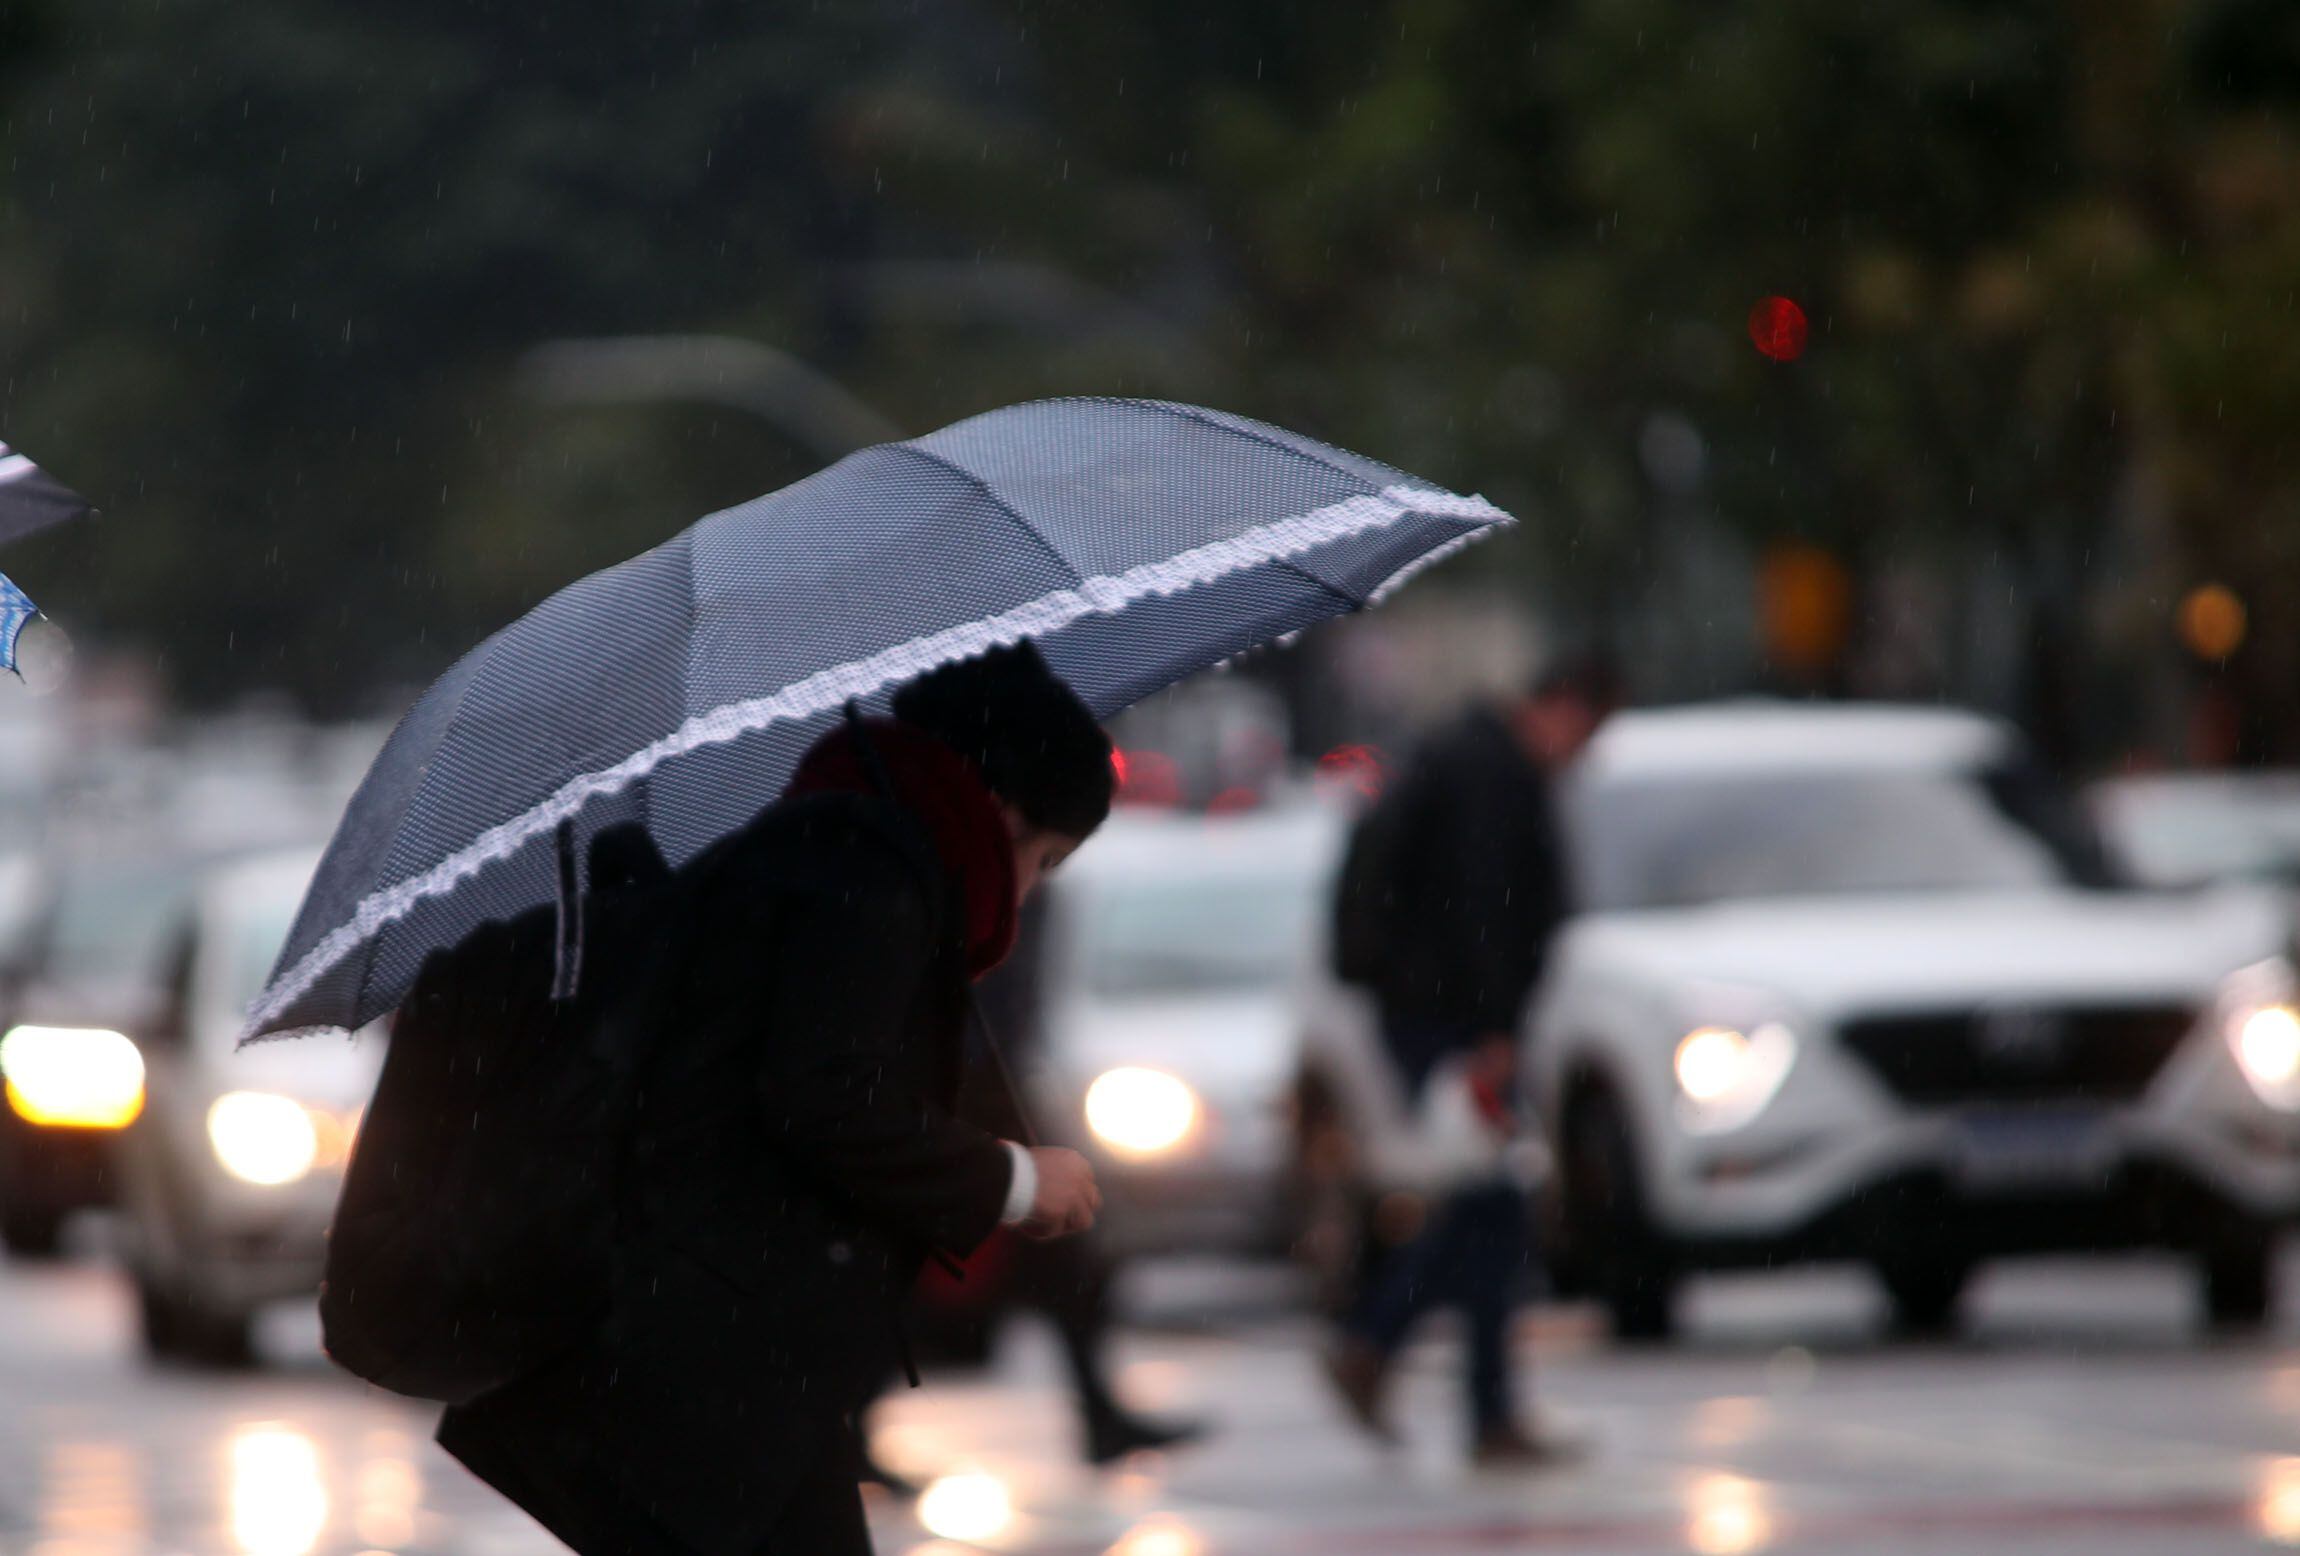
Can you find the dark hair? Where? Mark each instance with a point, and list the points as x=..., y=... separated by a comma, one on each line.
x=1591, y=677
x=1033, y=741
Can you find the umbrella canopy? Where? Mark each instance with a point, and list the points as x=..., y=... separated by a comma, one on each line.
x=16, y=608
x=1135, y=541
x=31, y=499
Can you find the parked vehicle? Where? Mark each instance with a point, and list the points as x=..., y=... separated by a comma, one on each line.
x=1173, y=979
x=229, y=1175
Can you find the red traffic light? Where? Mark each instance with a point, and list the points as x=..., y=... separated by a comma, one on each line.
x=1777, y=327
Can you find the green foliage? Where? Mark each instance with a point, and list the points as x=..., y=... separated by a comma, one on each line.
x=269, y=269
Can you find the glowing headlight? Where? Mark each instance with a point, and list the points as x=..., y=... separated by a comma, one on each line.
x=80, y=1078
x=262, y=1138
x=2261, y=1023
x=966, y=1507
x=2267, y=1043
x=1140, y=1112
x=1725, y=1077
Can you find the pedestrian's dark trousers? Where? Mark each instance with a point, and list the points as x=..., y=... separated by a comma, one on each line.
x=1473, y=1255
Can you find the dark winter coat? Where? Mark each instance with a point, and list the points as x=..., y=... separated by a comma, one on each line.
x=795, y=1161
x=1454, y=884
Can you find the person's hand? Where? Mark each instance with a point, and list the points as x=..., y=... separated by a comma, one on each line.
x=1492, y=1076
x=1067, y=1198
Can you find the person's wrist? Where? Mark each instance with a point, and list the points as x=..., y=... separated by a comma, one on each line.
x=1021, y=1186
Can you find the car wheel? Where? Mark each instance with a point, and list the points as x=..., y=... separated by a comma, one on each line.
x=1925, y=1293
x=1616, y=1250
x=30, y=1232
x=176, y=1328
x=2239, y=1282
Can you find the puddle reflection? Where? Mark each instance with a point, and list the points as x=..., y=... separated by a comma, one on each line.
x=91, y=1501
x=1728, y=1516
x=387, y=1496
x=2276, y=1512
x=278, y=1501
x=1159, y=1537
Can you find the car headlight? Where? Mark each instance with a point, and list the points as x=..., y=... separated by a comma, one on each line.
x=73, y=1077
x=262, y=1138
x=1140, y=1112
x=1726, y=1076
x=2261, y=1021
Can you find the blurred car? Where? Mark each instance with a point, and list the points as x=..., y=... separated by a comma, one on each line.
x=1855, y=983
x=229, y=1175
x=2196, y=829
x=88, y=978
x=1171, y=988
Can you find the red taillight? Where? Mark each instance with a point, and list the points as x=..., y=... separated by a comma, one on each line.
x=1359, y=766
x=1147, y=778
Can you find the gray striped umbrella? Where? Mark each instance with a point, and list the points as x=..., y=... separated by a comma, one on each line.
x=1135, y=541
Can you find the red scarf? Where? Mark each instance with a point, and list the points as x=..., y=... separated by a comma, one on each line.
x=944, y=791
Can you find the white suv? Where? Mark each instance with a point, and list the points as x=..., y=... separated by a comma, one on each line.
x=1852, y=984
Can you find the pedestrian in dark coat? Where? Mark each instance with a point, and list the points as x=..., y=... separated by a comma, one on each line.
x=1067, y=1279
x=1452, y=889
x=797, y=1157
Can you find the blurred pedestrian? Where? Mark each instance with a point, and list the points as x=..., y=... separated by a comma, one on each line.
x=797, y=1156
x=1068, y=1280
x=1452, y=888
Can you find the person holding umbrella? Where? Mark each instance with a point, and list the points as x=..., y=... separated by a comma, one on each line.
x=793, y=1156
x=799, y=1158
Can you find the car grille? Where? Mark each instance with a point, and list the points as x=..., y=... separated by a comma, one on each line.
x=2019, y=1053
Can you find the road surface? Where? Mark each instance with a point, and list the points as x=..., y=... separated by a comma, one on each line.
x=2082, y=1413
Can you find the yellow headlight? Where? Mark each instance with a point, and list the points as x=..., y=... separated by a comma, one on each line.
x=1140, y=1112
x=262, y=1138
x=74, y=1077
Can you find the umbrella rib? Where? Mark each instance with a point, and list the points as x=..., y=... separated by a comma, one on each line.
x=1069, y=567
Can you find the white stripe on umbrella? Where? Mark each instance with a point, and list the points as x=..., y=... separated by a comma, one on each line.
x=834, y=687
x=15, y=467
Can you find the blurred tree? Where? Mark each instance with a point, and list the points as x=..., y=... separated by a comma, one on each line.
x=270, y=270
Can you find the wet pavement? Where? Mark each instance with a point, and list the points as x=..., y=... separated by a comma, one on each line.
x=2082, y=1413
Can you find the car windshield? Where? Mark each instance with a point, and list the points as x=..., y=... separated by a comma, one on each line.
x=112, y=923
x=1676, y=841
x=258, y=934
x=2182, y=838
x=1147, y=938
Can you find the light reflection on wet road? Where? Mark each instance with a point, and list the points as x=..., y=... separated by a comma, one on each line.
x=2085, y=1416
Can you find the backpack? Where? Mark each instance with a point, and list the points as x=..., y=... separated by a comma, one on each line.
x=473, y=1239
